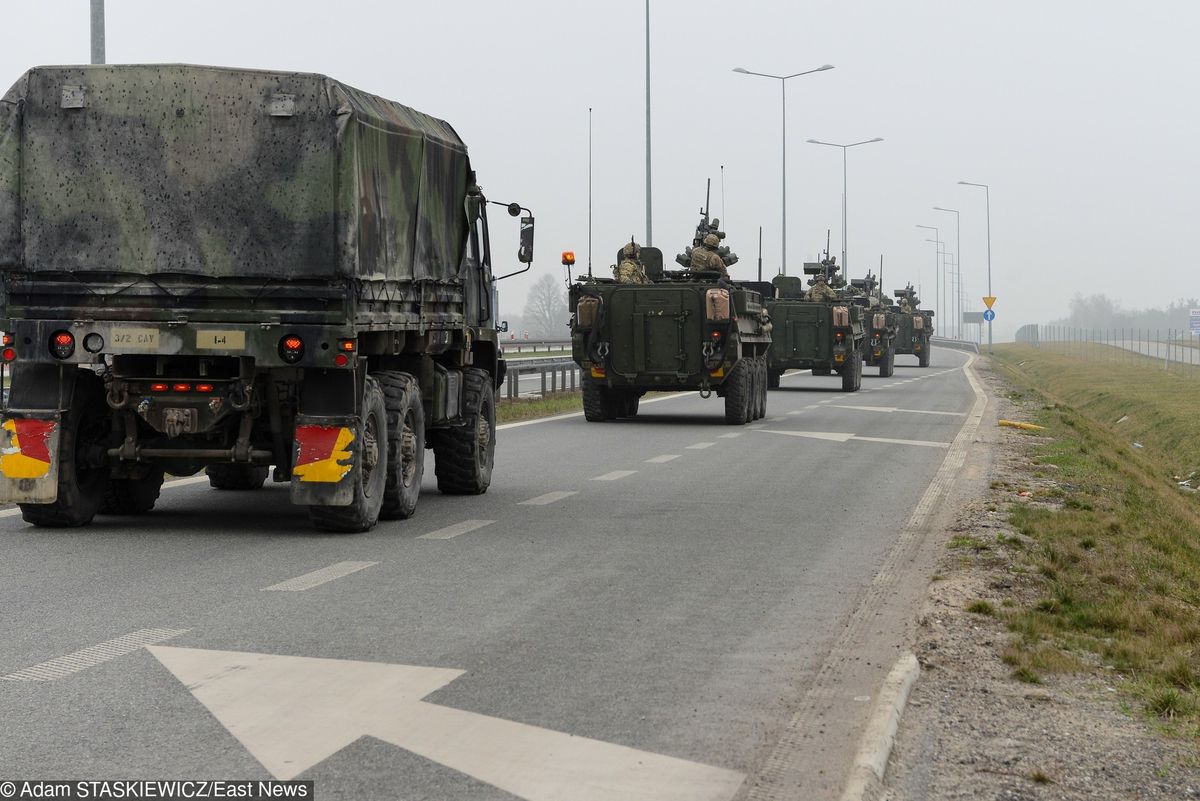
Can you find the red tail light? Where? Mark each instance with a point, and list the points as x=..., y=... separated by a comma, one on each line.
x=182, y=388
x=291, y=348
x=62, y=344
x=159, y=387
x=204, y=387
x=341, y=360
x=9, y=354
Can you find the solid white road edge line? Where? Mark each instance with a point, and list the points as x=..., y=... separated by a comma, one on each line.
x=95, y=655
x=880, y=734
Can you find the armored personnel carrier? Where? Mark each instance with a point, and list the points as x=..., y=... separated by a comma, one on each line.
x=879, y=322
x=221, y=270
x=685, y=330
x=914, y=327
x=825, y=336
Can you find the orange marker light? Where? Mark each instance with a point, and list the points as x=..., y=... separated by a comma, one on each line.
x=7, y=340
x=182, y=387
x=204, y=387
x=568, y=258
x=159, y=387
x=347, y=345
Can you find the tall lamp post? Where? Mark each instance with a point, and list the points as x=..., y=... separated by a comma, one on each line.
x=957, y=308
x=987, y=195
x=845, y=267
x=936, y=261
x=939, y=275
x=783, y=79
x=97, y=31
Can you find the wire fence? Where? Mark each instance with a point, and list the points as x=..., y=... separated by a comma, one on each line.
x=1173, y=350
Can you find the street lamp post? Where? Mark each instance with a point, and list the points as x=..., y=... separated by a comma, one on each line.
x=987, y=195
x=783, y=79
x=957, y=309
x=97, y=31
x=940, y=287
x=845, y=266
x=936, y=261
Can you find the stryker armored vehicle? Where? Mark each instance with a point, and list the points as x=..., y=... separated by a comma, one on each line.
x=914, y=327
x=825, y=336
x=686, y=330
x=224, y=270
x=879, y=322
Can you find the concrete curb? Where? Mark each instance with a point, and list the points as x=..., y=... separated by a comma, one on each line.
x=880, y=734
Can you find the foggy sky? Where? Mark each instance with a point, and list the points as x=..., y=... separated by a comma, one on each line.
x=1081, y=115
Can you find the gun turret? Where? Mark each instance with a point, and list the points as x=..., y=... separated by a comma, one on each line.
x=704, y=228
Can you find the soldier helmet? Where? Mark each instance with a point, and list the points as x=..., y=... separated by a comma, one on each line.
x=712, y=240
x=631, y=249
x=822, y=277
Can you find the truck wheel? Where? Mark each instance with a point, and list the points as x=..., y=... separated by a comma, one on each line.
x=236, y=476
x=923, y=359
x=463, y=456
x=82, y=473
x=598, y=403
x=363, y=511
x=887, y=364
x=405, y=444
x=132, y=496
x=631, y=404
x=773, y=377
x=737, y=394
x=763, y=382
x=852, y=373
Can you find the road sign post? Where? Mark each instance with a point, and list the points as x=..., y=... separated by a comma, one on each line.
x=1196, y=321
x=989, y=315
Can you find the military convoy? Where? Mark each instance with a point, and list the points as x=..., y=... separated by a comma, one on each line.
x=914, y=326
x=879, y=320
x=684, y=330
x=825, y=336
x=224, y=270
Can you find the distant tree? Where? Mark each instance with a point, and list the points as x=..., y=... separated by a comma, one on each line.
x=546, y=313
x=1102, y=312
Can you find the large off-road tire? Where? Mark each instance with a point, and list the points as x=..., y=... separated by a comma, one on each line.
x=598, y=402
x=852, y=373
x=629, y=405
x=82, y=466
x=923, y=358
x=405, y=444
x=737, y=394
x=370, y=475
x=132, y=496
x=763, y=382
x=887, y=363
x=463, y=456
x=237, y=477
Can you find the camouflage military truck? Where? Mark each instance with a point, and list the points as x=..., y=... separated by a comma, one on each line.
x=824, y=336
x=913, y=328
x=684, y=330
x=224, y=270
x=879, y=322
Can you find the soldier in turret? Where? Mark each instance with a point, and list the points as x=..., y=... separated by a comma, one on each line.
x=705, y=256
x=821, y=290
x=904, y=306
x=631, y=270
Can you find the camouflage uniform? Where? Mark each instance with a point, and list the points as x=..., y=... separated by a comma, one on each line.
x=630, y=270
x=705, y=257
x=821, y=290
x=904, y=307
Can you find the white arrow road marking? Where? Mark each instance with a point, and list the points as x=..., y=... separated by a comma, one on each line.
x=450, y=532
x=90, y=657
x=614, y=475
x=835, y=436
x=548, y=498
x=318, y=577
x=893, y=410
x=292, y=712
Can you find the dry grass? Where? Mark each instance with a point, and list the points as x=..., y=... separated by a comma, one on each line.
x=511, y=411
x=1119, y=560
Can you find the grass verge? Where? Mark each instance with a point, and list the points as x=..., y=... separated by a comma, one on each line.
x=511, y=411
x=1115, y=541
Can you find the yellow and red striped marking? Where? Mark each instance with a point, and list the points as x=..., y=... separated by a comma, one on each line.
x=25, y=452
x=322, y=453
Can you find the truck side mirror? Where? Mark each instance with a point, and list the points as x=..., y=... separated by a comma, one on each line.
x=503, y=327
x=525, y=253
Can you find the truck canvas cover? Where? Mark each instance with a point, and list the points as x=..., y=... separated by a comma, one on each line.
x=213, y=172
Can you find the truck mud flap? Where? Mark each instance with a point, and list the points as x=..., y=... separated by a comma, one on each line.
x=29, y=456
x=325, y=460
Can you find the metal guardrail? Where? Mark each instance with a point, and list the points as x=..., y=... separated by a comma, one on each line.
x=955, y=344
x=534, y=345
x=557, y=375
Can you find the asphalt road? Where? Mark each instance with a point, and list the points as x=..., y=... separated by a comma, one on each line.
x=671, y=590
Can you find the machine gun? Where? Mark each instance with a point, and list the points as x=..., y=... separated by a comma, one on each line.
x=910, y=294
x=704, y=228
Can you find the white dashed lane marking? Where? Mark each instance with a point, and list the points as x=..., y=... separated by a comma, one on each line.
x=614, y=475
x=548, y=498
x=699, y=446
x=666, y=457
x=449, y=532
x=95, y=655
x=318, y=577
x=730, y=435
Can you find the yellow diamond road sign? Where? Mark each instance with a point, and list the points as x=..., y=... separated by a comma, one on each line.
x=989, y=300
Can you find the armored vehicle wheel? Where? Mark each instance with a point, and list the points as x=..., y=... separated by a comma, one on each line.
x=405, y=444
x=852, y=373
x=773, y=377
x=630, y=405
x=598, y=402
x=763, y=382
x=737, y=394
x=752, y=373
x=923, y=358
x=236, y=476
x=463, y=456
x=82, y=462
x=132, y=496
x=371, y=475
x=822, y=371
x=887, y=363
